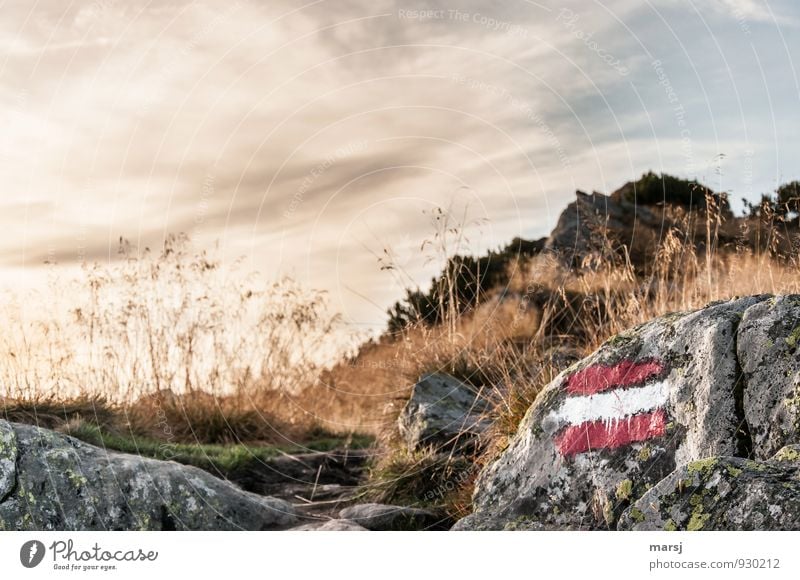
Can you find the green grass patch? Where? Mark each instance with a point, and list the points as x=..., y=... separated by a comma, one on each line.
x=216, y=458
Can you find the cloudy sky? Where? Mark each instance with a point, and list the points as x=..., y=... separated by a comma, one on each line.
x=310, y=136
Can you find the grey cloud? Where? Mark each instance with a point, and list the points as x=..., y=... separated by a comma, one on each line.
x=139, y=119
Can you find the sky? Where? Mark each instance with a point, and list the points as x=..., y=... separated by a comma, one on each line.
x=309, y=137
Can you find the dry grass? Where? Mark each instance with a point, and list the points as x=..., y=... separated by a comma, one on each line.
x=171, y=345
x=168, y=347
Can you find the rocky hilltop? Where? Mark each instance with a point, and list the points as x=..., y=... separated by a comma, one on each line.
x=631, y=222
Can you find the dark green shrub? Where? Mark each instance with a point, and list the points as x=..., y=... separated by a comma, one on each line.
x=654, y=189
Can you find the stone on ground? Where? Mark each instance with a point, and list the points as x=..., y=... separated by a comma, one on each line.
x=442, y=412
x=50, y=481
x=382, y=517
x=331, y=526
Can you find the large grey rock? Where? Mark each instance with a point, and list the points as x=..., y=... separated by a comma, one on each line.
x=769, y=354
x=50, y=481
x=382, y=517
x=667, y=393
x=441, y=412
x=723, y=493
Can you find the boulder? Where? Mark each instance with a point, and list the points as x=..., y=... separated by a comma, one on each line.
x=723, y=493
x=442, y=412
x=382, y=517
x=331, y=526
x=665, y=393
x=50, y=481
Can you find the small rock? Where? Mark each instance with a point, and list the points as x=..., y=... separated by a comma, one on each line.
x=381, y=517
x=331, y=526
x=442, y=412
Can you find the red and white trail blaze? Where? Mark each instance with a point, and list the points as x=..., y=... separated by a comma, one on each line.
x=612, y=406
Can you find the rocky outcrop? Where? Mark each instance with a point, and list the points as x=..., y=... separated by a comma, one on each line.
x=723, y=493
x=596, y=224
x=718, y=382
x=381, y=517
x=50, y=481
x=442, y=412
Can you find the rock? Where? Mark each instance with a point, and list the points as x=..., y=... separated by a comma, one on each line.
x=381, y=517
x=442, y=412
x=560, y=357
x=50, y=481
x=318, y=475
x=723, y=493
x=768, y=346
x=660, y=395
x=331, y=526
x=596, y=223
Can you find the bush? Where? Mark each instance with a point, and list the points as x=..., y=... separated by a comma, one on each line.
x=461, y=286
x=653, y=189
x=783, y=204
x=788, y=198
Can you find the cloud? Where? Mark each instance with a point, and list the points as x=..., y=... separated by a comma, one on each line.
x=743, y=11
x=308, y=138
x=751, y=10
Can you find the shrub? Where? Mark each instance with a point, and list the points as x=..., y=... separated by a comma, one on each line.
x=652, y=189
x=462, y=285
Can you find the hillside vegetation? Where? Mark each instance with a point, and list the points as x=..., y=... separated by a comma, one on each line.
x=160, y=347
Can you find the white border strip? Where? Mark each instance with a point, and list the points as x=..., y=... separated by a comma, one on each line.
x=612, y=405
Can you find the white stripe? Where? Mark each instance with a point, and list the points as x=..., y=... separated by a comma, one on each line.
x=612, y=405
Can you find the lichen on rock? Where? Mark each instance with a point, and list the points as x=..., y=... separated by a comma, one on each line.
x=724, y=493
x=50, y=481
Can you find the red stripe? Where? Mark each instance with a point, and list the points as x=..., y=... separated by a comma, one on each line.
x=602, y=435
x=598, y=378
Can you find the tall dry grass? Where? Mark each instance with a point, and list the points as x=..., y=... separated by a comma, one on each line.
x=170, y=342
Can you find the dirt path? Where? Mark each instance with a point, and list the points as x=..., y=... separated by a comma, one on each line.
x=318, y=484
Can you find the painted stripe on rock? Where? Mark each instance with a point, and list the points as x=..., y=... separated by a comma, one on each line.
x=612, y=405
x=599, y=378
x=611, y=435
